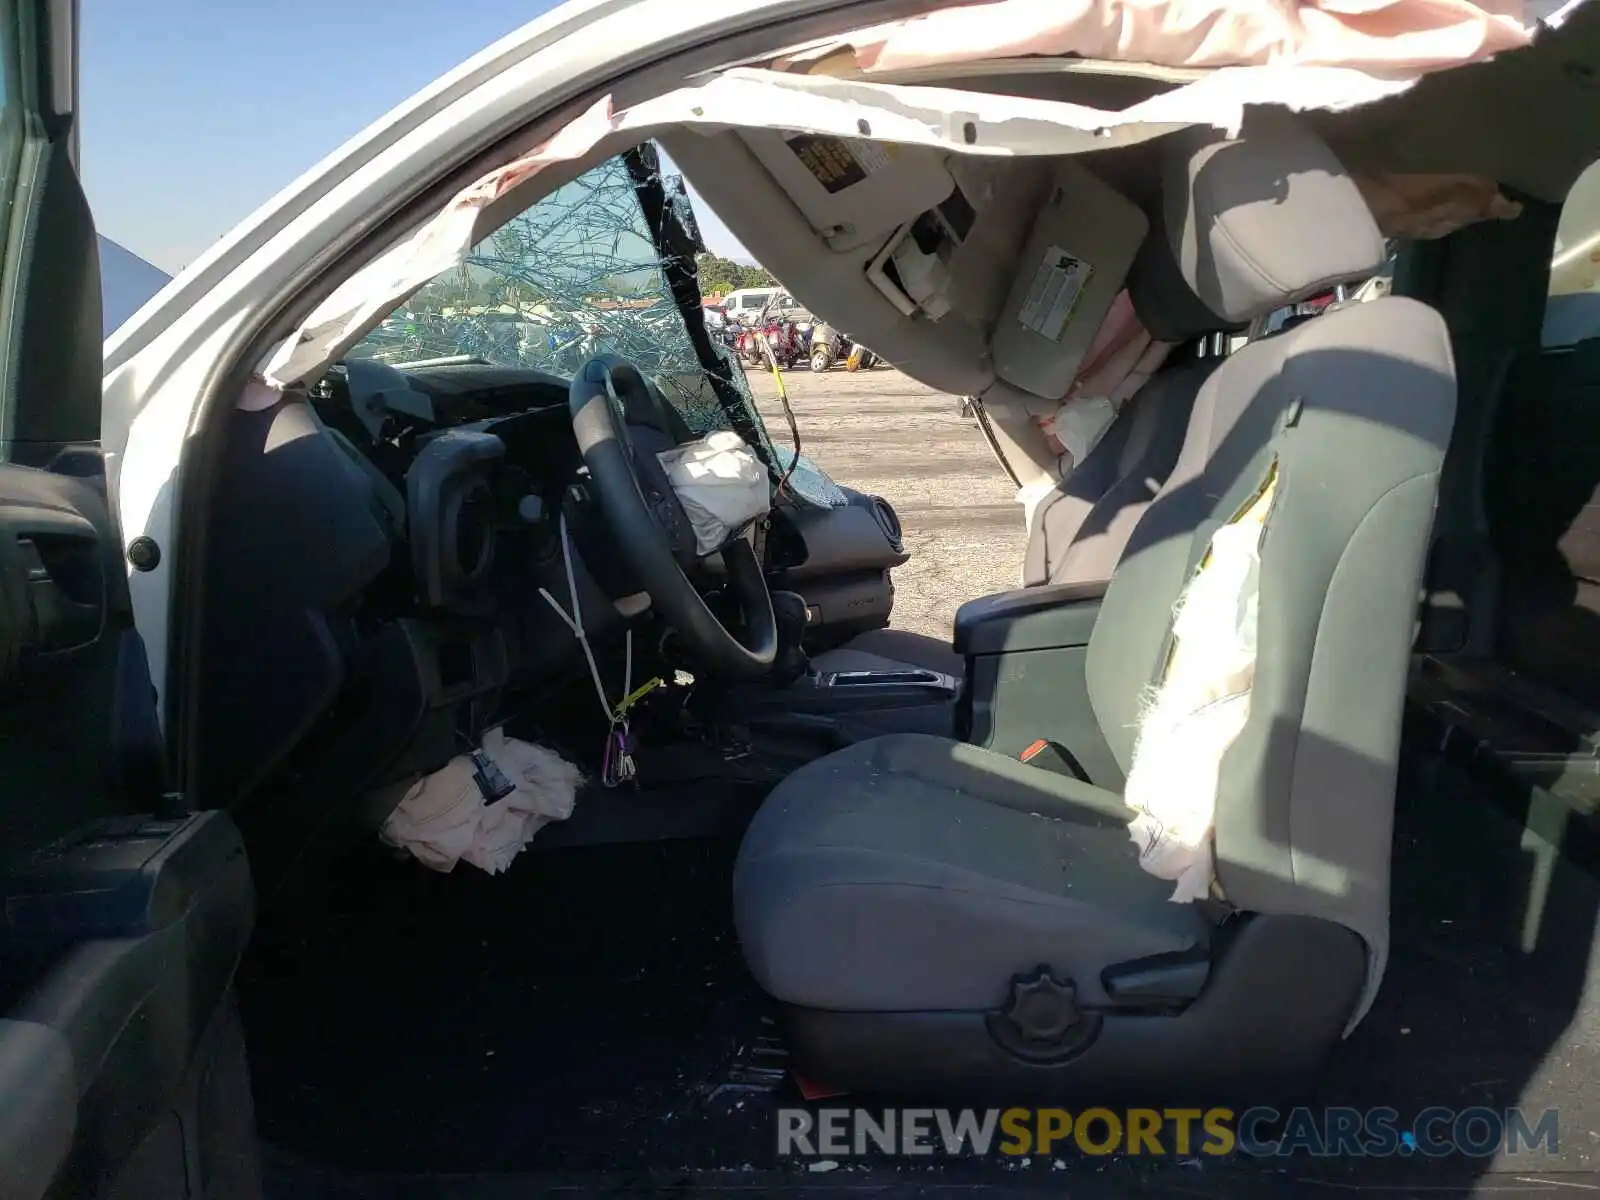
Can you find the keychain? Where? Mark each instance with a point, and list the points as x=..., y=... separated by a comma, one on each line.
x=617, y=767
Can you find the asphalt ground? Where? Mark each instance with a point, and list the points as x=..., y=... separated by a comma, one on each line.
x=882, y=432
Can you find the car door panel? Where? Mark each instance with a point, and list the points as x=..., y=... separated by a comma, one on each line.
x=123, y=915
x=35, y=1138
x=128, y=932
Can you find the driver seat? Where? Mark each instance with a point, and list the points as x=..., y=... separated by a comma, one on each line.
x=940, y=921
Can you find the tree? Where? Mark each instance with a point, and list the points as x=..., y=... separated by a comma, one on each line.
x=720, y=275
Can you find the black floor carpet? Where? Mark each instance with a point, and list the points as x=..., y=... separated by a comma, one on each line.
x=588, y=1012
x=581, y=1009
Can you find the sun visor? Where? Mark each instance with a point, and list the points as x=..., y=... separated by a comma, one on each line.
x=1073, y=266
x=959, y=253
x=852, y=191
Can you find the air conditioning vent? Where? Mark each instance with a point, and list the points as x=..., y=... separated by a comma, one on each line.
x=888, y=522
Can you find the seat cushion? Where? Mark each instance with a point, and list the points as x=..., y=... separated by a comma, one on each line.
x=913, y=873
x=892, y=650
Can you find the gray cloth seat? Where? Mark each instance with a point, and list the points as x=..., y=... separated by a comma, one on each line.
x=969, y=863
x=1081, y=528
x=910, y=900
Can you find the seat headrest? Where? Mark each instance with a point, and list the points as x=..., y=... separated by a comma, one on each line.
x=1265, y=219
x=1162, y=298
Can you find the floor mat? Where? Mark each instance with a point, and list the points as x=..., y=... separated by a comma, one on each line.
x=1490, y=996
x=586, y=1009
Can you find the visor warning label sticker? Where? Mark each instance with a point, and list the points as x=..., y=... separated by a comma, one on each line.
x=836, y=163
x=1053, y=294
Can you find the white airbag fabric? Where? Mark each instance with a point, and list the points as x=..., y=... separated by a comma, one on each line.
x=443, y=819
x=1079, y=424
x=1197, y=710
x=721, y=485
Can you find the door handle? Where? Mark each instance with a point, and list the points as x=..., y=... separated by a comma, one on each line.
x=65, y=586
x=58, y=563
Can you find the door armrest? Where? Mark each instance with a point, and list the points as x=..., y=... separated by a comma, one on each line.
x=1047, y=617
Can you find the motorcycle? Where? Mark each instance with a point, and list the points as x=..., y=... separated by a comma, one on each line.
x=722, y=328
x=860, y=359
x=830, y=346
x=782, y=336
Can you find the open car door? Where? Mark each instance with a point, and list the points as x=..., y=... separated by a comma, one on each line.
x=123, y=915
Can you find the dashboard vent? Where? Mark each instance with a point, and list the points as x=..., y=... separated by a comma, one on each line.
x=889, y=522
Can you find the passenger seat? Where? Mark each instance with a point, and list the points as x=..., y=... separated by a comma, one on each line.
x=1080, y=529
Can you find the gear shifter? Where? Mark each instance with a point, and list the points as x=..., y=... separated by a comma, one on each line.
x=790, y=612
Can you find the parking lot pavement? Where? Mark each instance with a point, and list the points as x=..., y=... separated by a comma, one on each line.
x=881, y=432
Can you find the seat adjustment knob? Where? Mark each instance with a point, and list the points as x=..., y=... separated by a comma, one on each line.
x=1042, y=1008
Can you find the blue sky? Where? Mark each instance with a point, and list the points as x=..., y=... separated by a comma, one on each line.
x=196, y=111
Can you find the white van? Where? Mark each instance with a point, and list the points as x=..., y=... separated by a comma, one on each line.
x=746, y=304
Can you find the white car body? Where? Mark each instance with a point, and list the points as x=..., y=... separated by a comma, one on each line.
x=171, y=359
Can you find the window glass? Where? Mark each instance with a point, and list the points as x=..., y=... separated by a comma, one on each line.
x=1572, y=313
x=576, y=275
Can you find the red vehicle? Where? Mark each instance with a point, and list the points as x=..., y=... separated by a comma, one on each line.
x=783, y=336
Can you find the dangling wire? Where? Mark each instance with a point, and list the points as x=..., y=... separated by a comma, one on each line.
x=616, y=760
x=783, y=399
x=616, y=764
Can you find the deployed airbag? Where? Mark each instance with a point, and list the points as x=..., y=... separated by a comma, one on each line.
x=1199, y=708
x=1370, y=35
x=454, y=814
x=721, y=485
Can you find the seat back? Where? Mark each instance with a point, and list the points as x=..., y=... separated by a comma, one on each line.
x=1355, y=411
x=1081, y=528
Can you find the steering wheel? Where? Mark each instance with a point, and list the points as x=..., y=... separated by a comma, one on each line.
x=651, y=528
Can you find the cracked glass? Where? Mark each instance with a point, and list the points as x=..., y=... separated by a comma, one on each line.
x=578, y=274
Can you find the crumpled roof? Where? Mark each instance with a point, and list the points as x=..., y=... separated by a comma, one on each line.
x=1285, y=52
x=1372, y=35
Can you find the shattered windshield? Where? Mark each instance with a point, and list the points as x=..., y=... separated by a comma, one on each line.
x=576, y=275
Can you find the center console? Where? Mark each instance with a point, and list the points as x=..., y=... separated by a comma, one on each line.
x=860, y=691
x=1024, y=686
x=823, y=711
x=803, y=712
x=1027, y=687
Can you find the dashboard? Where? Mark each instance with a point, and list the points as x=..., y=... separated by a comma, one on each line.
x=480, y=455
x=388, y=557
x=374, y=571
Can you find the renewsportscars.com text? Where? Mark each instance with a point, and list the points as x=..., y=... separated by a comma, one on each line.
x=1161, y=1132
